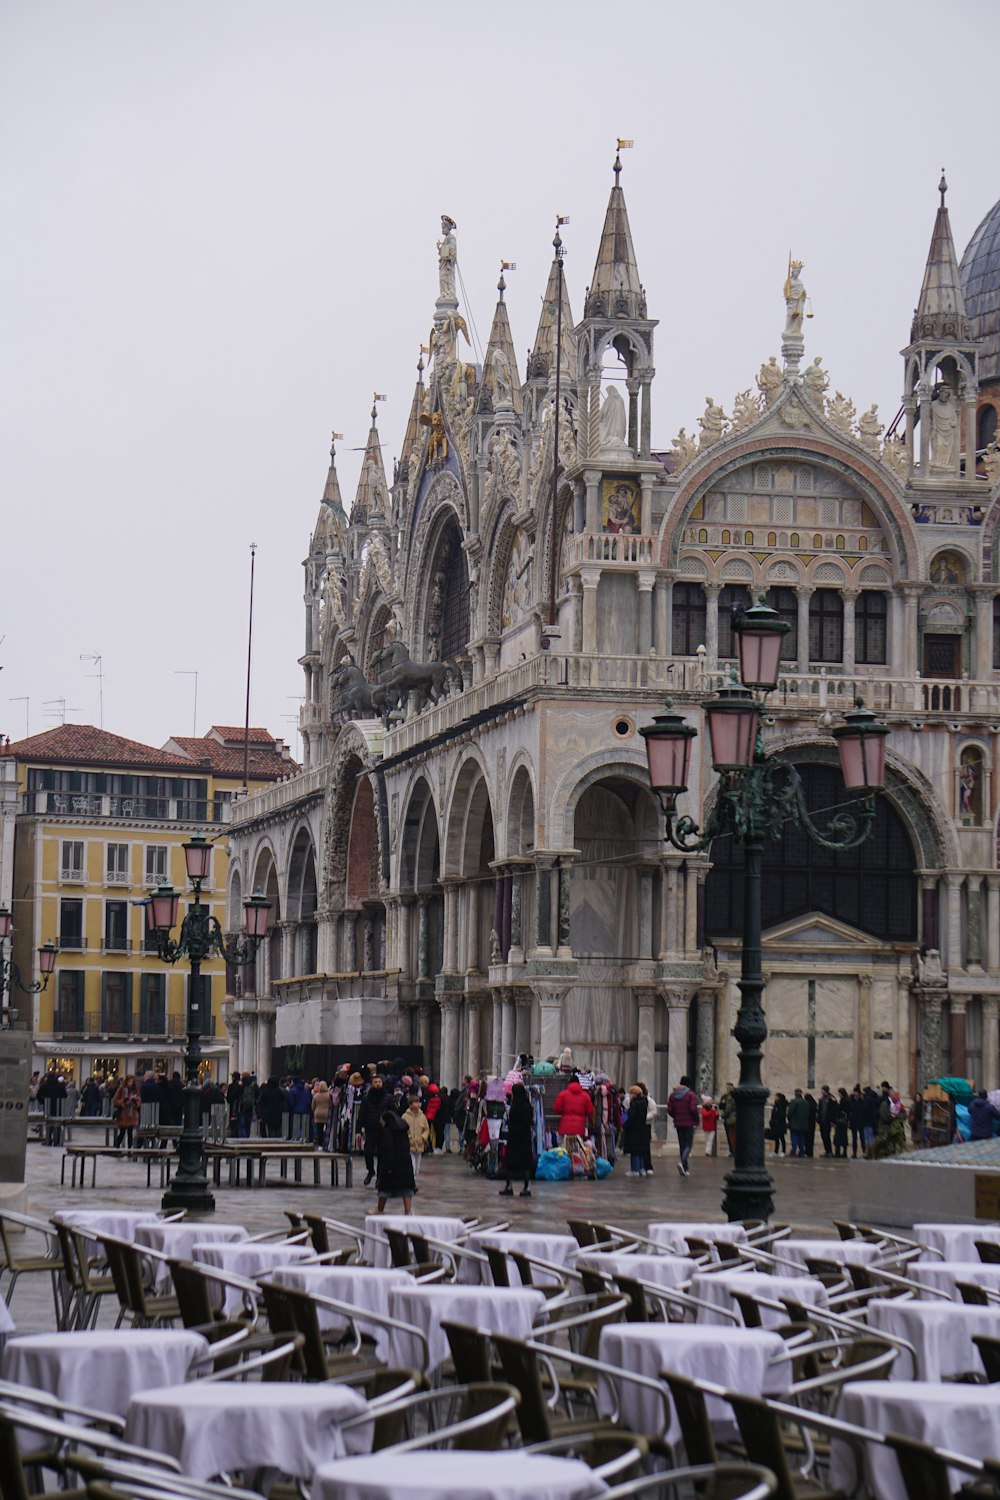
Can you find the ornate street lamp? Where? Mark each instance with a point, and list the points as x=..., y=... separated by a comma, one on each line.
x=10, y=974
x=756, y=798
x=201, y=937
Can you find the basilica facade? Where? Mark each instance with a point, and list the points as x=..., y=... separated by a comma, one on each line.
x=471, y=862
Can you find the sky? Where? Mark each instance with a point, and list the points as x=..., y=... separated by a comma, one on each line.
x=220, y=235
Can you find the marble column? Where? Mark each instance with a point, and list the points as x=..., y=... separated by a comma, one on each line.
x=645, y=1059
x=677, y=1034
x=507, y=1032
x=930, y=1038
x=993, y=923
x=370, y=959
x=910, y=654
x=350, y=942
x=549, y=993
x=968, y=395
x=450, y=926
x=646, y=419
x=632, y=388
x=644, y=875
x=522, y=1021
x=449, y=1072
x=690, y=876
x=957, y=1005
x=473, y=1034
x=564, y=876
x=589, y=579
x=543, y=907
x=506, y=901
x=924, y=430
x=401, y=948
x=496, y=1030
x=974, y=922
x=662, y=642
x=863, y=1041
x=592, y=479
x=802, y=597
x=953, y=953
x=991, y=1042
x=423, y=939
x=712, y=592
x=705, y=1043
x=668, y=909
x=644, y=582
x=850, y=597
x=424, y=1030
x=473, y=928
x=983, y=670
x=517, y=877
x=265, y=1041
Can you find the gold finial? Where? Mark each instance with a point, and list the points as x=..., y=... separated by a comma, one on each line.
x=942, y=187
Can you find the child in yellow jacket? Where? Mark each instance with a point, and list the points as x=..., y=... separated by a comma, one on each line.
x=420, y=1131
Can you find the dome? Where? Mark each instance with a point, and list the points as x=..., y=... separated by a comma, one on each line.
x=980, y=273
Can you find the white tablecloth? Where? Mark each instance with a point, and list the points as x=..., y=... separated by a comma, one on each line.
x=844, y=1252
x=940, y=1332
x=438, y=1227
x=560, y=1249
x=6, y=1321
x=509, y=1310
x=956, y=1241
x=247, y=1259
x=364, y=1287
x=738, y=1358
x=102, y=1369
x=946, y=1274
x=964, y=1418
x=176, y=1240
x=456, y=1475
x=668, y=1271
x=718, y=1287
x=119, y=1222
x=218, y=1427
x=675, y=1236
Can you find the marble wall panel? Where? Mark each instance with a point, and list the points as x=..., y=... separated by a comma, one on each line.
x=600, y=1013
x=784, y=1064
x=617, y=615
x=836, y=1063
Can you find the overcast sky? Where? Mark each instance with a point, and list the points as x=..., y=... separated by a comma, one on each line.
x=220, y=225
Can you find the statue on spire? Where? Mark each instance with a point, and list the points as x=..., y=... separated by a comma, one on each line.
x=447, y=249
x=795, y=300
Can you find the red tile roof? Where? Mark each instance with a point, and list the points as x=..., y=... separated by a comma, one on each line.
x=83, y=744
x=264, y=762
x=232, y=735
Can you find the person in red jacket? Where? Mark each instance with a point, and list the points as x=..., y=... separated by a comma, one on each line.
x=432, y=1107
x=575, y=1109
x=682, y=1107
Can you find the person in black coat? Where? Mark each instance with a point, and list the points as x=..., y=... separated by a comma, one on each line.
x=841, y=1119
x=778, y=1124
x=811, y=1127
x=519, y=1159
x=395, y=1169
x=855, y=1117
x=369, y=1119
x=634, y=1133
x=270, y=1107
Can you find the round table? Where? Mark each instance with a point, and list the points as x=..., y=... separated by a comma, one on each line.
x=940, y=1332
x=559, y=1249
x=120, y=1223
x=176, y=1240
x=738, y=1358
x=102, y=1369
x=249, y=1259
x=365, y=1287
x=456, y=1475
x=963, y=1418
x=956, y=1241
x=671, y=1236
x=944, y=1275
x=667, y=1271
x=842, y=1252
x=718, y=1287
x=501, y=1309
x=435, y=1226
x=219, y=1427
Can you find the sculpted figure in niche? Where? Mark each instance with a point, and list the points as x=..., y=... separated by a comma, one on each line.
x=944, y=432
x=870, y=428
x=815, y=379
x=503, y=389
x=447, y=250
x=613, y=420
x=968, y=782
x=769, y=381
x=795, y=301
x=711, y=423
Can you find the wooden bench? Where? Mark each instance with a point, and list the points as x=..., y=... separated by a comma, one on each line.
x=77, y=1156
x=297, y=1157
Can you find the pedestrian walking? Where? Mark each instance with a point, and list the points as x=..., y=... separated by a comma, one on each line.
x=778, y=1125
x=798, y=1122
x=518, y=1158
x=420, y=1134
x=709, y=1124
x=634, y=1132
x=841, y=1121
x=682, y=1107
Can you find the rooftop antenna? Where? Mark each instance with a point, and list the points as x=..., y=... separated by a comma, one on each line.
x=246, y=718
x=27, y=706
x=96, y=658
x=190, y=672
x=61, y=711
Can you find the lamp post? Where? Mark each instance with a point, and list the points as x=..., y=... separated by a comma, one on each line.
x=756, y=797
x=10, y=974
x=201, y=937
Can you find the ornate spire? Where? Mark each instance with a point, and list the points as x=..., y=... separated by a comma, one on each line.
x=411, y=438
x=371, y=497
x=540, y=360
x=940, y=312
x=616, y=290
x=328, y=533
x=500, y=389
x=331, y=494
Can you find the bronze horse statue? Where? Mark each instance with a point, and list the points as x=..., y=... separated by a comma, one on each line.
x=357, y=698
x=401, y=675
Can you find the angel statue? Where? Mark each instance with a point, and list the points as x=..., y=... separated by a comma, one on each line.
x=447, y=250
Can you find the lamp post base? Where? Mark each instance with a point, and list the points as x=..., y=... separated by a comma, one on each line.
x=190, y=1193
x=748, y=1194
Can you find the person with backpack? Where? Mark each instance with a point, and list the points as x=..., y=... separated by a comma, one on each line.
x=682, y=1107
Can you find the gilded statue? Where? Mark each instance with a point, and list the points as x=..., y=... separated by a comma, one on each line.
x=437, y=448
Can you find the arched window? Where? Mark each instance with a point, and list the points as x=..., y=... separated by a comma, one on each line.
x=688, y=618
x=986, y=427
x=826, y=626
x=785, y=602
x=870, y=615
x=872, y=887
x=448, y=610
x=733, y=599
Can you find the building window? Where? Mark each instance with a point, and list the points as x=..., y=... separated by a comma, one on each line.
x=71, y=866
x=116, y=926
x=116, y=1003
x=826, y=626
x=153, y=1004
x=688, y=618
x=870, y=635
x=116, y=867
x=733, y=600
x=786, y=604
x=986, y=427
x=69, y=1001
x=71, y=923
x=156, y=863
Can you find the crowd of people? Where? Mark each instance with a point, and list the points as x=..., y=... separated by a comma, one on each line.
x=872, y=1123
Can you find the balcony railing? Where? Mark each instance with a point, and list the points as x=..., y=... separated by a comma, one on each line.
x=117, y=877
x=611, y=549
x=70, y=875
x=93, y=1023
x=113, y=944
x=128, y=809
x=71, y=942
x=285, y=794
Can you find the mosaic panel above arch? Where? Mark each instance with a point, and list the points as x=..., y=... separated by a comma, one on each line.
x=818, y=509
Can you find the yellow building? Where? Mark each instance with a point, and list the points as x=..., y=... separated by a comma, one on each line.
x=101, y=821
